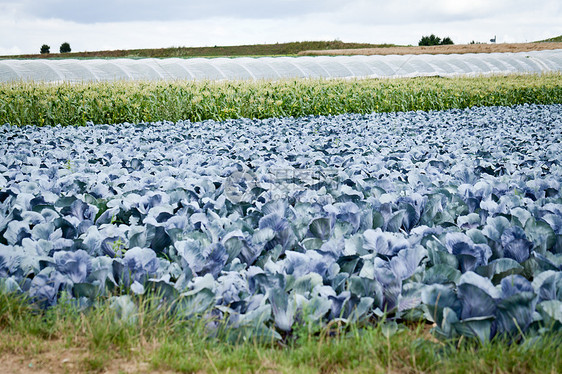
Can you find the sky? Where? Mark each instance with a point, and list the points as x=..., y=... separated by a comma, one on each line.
x=87, y=25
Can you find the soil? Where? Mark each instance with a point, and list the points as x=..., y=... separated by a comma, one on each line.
x=54, y=358
x=438, y=49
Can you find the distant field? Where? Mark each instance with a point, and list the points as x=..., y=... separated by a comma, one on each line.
x=306, y=48
x=278, y=49
x=441, y=49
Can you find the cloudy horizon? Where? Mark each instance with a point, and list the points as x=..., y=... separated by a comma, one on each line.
x=126, y=24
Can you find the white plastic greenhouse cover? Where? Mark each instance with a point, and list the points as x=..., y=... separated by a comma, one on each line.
x=279, y=67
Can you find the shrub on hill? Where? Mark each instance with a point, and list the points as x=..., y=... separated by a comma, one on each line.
x=65, y=47
x=434, y=40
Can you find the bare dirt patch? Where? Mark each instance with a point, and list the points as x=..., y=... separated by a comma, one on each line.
x=54, y=357
x=438, y=49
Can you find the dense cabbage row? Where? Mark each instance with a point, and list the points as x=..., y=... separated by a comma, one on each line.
x=452, y=216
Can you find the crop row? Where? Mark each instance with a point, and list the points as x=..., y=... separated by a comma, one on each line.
x=134, y=102
x=454, y=217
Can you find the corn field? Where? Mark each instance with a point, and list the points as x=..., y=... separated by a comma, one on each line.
x=78, y=104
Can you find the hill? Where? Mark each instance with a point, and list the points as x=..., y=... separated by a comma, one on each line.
x=439, y=49
x=306, y=48
x=556, y=39
x=278, y=49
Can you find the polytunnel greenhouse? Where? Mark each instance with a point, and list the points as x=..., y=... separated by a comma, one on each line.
x=72, y=70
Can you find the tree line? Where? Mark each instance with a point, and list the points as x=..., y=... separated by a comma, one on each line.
x=64, y=48
x=434, y=40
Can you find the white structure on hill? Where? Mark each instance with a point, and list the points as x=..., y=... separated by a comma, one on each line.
x=279, y=67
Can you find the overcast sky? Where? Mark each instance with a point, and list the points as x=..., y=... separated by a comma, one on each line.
x=125, y=24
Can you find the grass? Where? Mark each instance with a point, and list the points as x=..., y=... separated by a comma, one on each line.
x=552, y=40
x=63, y=339
x=278, y=49
x=134, y=102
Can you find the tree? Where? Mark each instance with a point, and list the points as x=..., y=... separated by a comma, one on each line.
x=64, y=47
x=45, y=49
x=434, y=40
x=430, y=40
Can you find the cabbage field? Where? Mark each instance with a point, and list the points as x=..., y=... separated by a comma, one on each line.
x=452, y=217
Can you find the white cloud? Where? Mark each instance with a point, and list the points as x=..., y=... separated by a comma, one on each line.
x=24, y=30
x=88, y=11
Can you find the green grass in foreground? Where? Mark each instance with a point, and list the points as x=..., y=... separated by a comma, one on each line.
x=76, y=104
x=65, y=340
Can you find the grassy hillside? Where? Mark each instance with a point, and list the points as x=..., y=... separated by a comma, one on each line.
x=551, y=40
x=278, y=49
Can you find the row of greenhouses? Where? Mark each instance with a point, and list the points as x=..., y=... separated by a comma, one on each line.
x=73, y=70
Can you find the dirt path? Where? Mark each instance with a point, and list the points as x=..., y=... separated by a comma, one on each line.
x=44, y=356
x=71, y=361
x=439, y=49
